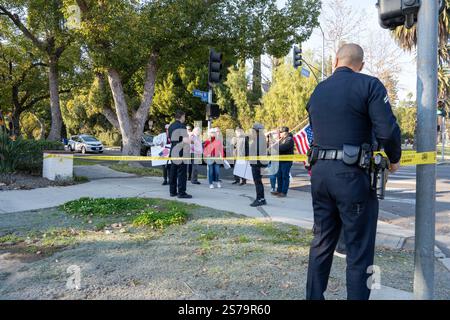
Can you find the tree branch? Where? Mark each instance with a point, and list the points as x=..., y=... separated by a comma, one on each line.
x=16, y=20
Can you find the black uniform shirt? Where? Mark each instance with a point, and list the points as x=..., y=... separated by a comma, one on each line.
x=351, y=107
x=177, y=131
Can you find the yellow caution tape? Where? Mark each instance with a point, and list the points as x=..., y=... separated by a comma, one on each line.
x=409, y=158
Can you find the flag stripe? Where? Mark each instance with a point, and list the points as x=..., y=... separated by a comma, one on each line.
x=305, y=140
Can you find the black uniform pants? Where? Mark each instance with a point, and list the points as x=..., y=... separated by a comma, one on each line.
x=178, y=178
x=342, y=199
x=166, y=172
x=257, y=179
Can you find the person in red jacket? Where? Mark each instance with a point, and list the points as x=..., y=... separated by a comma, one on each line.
x=213, y=153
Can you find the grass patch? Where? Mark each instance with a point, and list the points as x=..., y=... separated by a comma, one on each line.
x=209, y=236
x=80, y=179
x=242, y=239
x=59, y=237
x=161, y=220
x=83, y=162
x=285, y=235
x=12, y=238
x=140, y=171
x=106, y=207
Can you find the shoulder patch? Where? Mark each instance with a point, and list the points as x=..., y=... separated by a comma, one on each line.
x=386, y=99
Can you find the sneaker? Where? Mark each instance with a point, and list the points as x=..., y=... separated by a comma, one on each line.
x=184, y=196
x=272, y=190
x=258, y=203
x=211, y=186
x=219, y=185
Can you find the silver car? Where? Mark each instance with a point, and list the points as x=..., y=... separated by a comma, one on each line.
x=85, y=143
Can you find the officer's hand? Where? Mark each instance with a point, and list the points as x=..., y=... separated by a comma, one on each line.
x=394, y=167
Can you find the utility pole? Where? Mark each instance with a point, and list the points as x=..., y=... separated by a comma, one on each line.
x=444, y=137
x=427, y=51
x=210, y=101
x=323, y=52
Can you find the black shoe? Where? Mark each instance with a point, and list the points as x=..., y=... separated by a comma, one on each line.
x=243, y=183
x=281, y=195
x=184, y=196
x=258, y=203
x=165, y=183
x=236, y=182
x=173, y=195
x=195, y=182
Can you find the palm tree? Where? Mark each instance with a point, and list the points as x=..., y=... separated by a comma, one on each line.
x=407, y=39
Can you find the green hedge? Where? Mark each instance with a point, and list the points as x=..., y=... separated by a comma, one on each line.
x=31, y=155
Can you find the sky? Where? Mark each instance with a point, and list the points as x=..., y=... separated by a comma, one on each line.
x=407, y=77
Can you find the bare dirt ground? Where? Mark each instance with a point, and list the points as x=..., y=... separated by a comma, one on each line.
x=215, y=255
x=21, y=181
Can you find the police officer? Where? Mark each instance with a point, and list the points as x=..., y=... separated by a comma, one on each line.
x=180, y=147
x=347, y=110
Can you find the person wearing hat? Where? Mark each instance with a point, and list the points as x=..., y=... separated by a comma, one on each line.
x=285, y=147
x=258, y=147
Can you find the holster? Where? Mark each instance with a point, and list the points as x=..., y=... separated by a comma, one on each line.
x=351, y=154
x=313, y=155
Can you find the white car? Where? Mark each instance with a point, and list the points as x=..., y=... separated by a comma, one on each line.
x=85, y=143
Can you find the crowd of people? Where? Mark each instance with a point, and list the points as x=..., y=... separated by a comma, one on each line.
x=212, y=152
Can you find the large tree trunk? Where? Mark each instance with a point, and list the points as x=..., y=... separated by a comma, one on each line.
x=56, y=127
x=132, y=127
x=16, y=123
x=107, y=111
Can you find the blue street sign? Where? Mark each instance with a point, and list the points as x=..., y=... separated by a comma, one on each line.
x=306, y=73
x=201, y=94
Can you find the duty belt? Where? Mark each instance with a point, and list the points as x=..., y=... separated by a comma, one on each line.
x=330, y=155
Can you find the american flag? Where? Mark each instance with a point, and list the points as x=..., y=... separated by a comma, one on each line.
x=303, y=139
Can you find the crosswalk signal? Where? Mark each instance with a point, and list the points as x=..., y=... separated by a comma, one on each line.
x=215, y=67
x=212, y=111
x=395, y=13
x=297, y=57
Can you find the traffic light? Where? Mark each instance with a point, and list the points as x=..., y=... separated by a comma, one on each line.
x=215, y=67
x=212, y=111
x=395, y=13
x=297, y=57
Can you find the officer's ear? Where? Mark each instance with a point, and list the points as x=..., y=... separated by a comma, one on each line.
x=336, y=63
x=362, y=66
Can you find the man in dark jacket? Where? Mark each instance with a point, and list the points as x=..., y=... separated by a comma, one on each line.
x=286, y=147
x=258, y=147
x=180, y=147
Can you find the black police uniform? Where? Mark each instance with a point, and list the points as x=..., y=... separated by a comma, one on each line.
x=178, y=169
x=347, y=108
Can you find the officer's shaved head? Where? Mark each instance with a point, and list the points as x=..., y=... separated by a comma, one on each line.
x=350, y=55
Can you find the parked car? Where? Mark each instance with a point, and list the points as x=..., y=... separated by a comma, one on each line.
x=85, y=143
x=146, y=145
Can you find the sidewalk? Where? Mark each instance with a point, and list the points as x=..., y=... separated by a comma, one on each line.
x=296, y=209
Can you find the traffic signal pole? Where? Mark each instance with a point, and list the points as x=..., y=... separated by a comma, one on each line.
x=210, y=101
x=444, y=137
x=427, y=88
